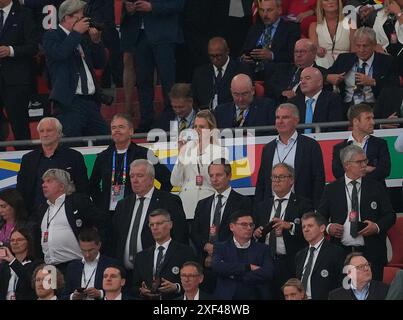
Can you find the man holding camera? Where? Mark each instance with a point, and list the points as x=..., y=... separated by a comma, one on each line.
x=279, y=223
x=72, y=52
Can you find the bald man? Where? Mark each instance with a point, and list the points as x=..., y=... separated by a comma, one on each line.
x=246, y=110
x=211, y=82
x=283, y=80
x=314, y=103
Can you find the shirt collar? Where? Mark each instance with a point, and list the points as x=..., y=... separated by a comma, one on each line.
x=223, y=68
x=348, y=180
x=64, y=29
x=275, y=24
x=318, y=244
x=315, y=97
x=165, y=245
x=59, y=201
x=291, y=140
x=7, y=8
x=364, y=140
x=364, y=289
x=118, y=297
x=148, y=195
x=189, y=118
x=92, y=263
x=369, y=61
x=225, y=193
x=286, y=197
x=196, y=297
x=239, y=246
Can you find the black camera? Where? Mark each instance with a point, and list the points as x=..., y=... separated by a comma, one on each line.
x=105, y=99
x=97, y=25
x=267, y=228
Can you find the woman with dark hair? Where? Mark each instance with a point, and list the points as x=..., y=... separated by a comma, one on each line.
x=12, y=213
x=17, y=268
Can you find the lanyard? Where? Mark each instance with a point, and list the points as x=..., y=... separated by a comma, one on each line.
x=333, y=39
x=114, y=168
x=89, y=280
x=350, y=196
x=285, y=157
x=48, y=212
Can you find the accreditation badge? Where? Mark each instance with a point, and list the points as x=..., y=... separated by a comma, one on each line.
x=45, y=236
x=117, y=194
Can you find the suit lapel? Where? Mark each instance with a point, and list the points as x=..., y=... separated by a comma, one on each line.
x=291, y=207
x=168, y=254
x=68, y=207
x=127, y=214
x=318, y=109
x=11, y=19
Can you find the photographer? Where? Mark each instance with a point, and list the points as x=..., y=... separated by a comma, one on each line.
x=72, y=52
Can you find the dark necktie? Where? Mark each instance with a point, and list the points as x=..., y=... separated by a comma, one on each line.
x=81, y=72
x=135, y=230
x=354, y=211
x=219, y=75
x=359, y=88
x=182, y=124
x=239, y=120
x=267, y=37
x=308, y=267
x=159, y=261
x=272, y=236
x=1, y=20
x=217, y=218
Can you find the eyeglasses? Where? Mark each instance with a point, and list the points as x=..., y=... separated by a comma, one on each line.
x=157, y=224
x=246, y=224
x=363, y=267
x=360, y=162
x=190, y=276
x=280, y=177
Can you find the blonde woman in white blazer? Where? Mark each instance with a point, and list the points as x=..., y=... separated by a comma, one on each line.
x=191, y=168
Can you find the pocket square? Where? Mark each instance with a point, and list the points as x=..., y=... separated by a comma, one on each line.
x=75, y=212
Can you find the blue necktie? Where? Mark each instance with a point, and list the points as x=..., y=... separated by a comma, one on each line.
x=309, y=114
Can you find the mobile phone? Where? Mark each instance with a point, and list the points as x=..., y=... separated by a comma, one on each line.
x=80, y=290
x=3, y=252
x=361, y=225
x=267, y=228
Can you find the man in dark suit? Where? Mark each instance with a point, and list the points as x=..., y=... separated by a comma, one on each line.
x=131, y=233
x=182, y=114
x=157, y=268
x=106, y=190
x=299, y=151
x=51, y=154
x=84, y=276
x=244, y=267
x=359, y=210
x=278, y=221
x=113, y=281
x=314, y=103
x=361, y=286
x=153, y=29
x=320, y=265
x=71, y=59
x=245, y=110
x=282, y=80
x=362, y=75
x=18, y=45
x=361, y=119
x=63, y=217
x=271, y=40
x=212, y=214
x=191, y=277
x=211, y=82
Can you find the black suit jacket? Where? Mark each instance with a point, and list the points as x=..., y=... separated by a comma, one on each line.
x=278, y=78
x=377, y=291
x=327, y=271
x=74, y=274
x=383, y=70
x=23, y=290
x=159, y=199
x=203, y=84
x=176, y=255
x=100, y=181
x=389, y=102
x=296, y=207
x=282, y=44
x=59, y=51
x=377, y=153
x=374, y=206
x=261, y=112
x=20, y=32
x=309, y=170
x=201, y=223
x=328, y=108
x=69, y=160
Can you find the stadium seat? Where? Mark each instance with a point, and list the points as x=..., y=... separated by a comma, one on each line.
x=259, y=88
x=389, y=274
x=395, y=235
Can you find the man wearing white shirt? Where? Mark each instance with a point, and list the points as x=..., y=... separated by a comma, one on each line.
x=359, y=210
x=113, y=282
x=191, y=277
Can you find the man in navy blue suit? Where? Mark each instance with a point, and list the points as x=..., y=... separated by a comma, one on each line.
x=245, y=110
x=71, y=57
x=244, y=267
x=153, y=30
x=84, y=277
